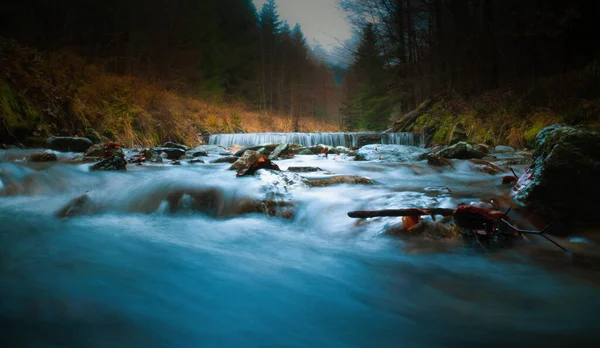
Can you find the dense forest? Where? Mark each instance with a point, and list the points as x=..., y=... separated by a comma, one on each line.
x=409, y=51
x=222, y=51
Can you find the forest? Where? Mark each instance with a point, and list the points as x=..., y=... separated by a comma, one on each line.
x=223, y=52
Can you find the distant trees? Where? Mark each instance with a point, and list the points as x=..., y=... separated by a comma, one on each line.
x=429, y=47
x=223, y=49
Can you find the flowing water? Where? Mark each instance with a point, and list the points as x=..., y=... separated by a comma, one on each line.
x=134, y=273
x=349, y=139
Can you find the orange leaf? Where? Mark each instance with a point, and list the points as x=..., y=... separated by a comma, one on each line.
x=408, y=222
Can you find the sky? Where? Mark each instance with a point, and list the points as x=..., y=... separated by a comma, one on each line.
x=320, y=20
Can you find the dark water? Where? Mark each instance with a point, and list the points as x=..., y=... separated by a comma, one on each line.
x=132, y=275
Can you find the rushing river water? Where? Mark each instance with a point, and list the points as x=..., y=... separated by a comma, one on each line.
x=135, y=274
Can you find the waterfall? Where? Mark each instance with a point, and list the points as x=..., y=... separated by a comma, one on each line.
x=356, y=139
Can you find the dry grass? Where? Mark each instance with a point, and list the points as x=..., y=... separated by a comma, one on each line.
x=60, y=92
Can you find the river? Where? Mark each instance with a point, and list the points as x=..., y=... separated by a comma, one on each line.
x=132, y=273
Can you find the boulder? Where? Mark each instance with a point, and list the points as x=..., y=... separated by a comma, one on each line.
x=152, y=156
x=267, y=149
x=461, y=150
x=172, y=145
x=252, y=161
x=81, y=205
x=114, y=163
x=390, y=153
x=171, y=153
x=212, y=150
x=433, y=159
x=482, y=148
x=198, y=153
x=42, y=157
x=457, y=134
x=562, y=182
x=502, y=148
x=227, y=159
x=280, y=150
x=305, y=152
x=317, y=149
x=69, y=144
x=104, y=150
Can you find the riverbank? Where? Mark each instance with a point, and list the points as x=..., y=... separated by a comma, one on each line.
x=511, y=116
x=43, y=94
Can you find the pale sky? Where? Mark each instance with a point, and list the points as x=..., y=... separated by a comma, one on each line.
x=320, y=20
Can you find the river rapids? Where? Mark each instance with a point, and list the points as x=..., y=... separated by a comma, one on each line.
x=138, y=271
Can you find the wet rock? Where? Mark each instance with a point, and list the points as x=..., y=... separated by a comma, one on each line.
x=42, y=157
x=280, y=150
x=341, y=179
x=172, y=145
x=212, y=150
x=105, y=150
x=227, y=159
x=340, y=150
x=305, y=152
x=390, y=153
x=562, y=183
x=152, y=156
x=196, y=160
x=267, y=149
x=317, y=149
x=525, y=154
x=482, y=148
x=490, y=158
x=69, y=144
x=175, y=162
x=252, y=161
x=81, y=205
x=171, y=153
x=457, y=134
x=486, y=167
x=461, y=150
x=436, y=160
x=114, y=163
x=304, y=169
x=198, y=153
x=502, y=148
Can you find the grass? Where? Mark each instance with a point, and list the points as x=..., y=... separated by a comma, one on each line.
x=59, y=93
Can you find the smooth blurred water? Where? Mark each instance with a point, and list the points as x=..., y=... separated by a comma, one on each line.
x=131, y=274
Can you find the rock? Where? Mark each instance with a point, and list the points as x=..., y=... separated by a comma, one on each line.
x=438, y=148
x=304, y=169
x=341, y=179
x=198, y=153
x=562, y=183
x=317, y=149
x=305, y=152
x=172, y=145
x=280, y=150
x=250, y=162
x=69, y=144
x=436, y=160
x=171, y=153
x=227, y=159
x=196, y=160
x=490, y=158
x=212, y=150
x=340, y=150
x=486, y=167
x=461, y=150
x=42, y=157
x=81, y=205
x=152, y=156
x=482, y=148
x=114, y=163
x=389, y=153
x=457, y=134
x=268, y=149
x=96, y=150
x=175, y=162
x=502, y=148
x=524, y=154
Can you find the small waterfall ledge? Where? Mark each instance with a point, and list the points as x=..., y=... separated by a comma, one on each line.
x=354, y=139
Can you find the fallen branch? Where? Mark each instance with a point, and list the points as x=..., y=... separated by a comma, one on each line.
x=400, y=212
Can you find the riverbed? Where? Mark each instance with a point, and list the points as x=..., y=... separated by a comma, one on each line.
x=134, y=273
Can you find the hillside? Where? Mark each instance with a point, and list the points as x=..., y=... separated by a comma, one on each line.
x=44, y=94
